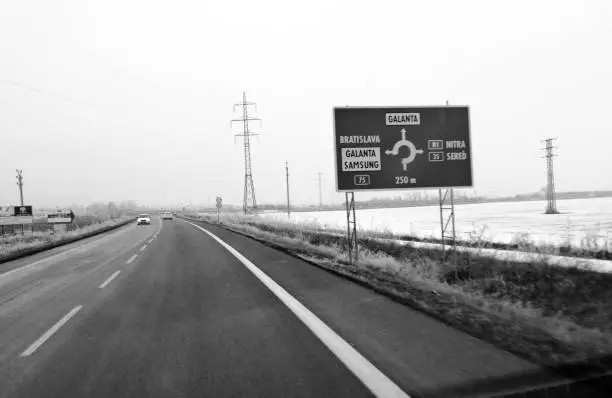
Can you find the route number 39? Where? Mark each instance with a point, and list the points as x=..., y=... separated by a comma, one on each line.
x=401, y=180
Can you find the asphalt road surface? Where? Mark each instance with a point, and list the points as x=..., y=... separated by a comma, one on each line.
x=170, y=310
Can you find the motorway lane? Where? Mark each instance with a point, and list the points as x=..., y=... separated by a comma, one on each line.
x=422, y=355
x=189, y=321
x=37, y=291
x=186, y=318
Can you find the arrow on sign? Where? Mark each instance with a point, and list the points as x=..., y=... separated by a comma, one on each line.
x=404, y=142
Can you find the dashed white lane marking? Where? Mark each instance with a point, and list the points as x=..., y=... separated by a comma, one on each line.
x=379, y=384
x=109, y=280
x=132, y=259
x=142, y=248
x=47, y=335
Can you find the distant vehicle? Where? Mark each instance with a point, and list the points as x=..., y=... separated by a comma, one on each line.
x=143, y=219
x=167, y=216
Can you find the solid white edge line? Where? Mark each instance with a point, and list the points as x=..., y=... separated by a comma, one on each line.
x=379, y=384
x=42, y=339
x=132, y=259
x=109, y=280
x=142, y=248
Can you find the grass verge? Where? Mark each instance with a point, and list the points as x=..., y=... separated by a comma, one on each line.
x=557, y=317
x=18, y=246
x=592, y=245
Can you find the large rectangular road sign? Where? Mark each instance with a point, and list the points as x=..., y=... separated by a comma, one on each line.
x=402, y=148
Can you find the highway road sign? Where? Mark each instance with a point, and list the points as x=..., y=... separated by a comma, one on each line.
x=402, y=148
x=64, y=216
x=219, y=202
x=16, y=215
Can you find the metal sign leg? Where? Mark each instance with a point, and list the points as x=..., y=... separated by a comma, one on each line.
x=351, y=228
x=447, y=222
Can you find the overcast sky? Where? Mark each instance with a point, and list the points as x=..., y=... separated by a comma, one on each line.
x=112, y=100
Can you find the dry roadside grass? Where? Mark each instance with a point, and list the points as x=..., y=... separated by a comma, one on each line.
x=550, y=315
x=592, y=245
x=12, y=244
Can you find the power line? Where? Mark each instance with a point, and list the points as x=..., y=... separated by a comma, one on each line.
x=97, y=108
x=44, y=91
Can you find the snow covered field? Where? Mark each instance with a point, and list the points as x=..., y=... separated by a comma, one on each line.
x=501, y=222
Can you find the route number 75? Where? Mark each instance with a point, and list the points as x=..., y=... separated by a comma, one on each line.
x=362, y=179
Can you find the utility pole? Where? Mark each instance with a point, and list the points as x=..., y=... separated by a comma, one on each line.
x=551, y=205
x=20, y=184
x=249, y=202
x=320, y=192
x=288, y=203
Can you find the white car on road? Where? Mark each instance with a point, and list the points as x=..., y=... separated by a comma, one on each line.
x=167, y=216
x=143, y=219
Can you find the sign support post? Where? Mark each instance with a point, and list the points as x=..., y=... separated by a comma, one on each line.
x=444, y=233
x=447, y=220
x=288, y=203
x=351, y=228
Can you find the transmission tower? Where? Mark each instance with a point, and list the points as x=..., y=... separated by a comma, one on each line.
x=249, y=201
x=551, y=206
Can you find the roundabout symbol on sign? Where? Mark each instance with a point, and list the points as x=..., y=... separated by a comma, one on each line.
x=404, y=142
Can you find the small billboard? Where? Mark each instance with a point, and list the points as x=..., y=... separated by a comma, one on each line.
x=16, y=215
x=63, y=216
